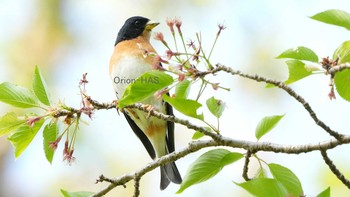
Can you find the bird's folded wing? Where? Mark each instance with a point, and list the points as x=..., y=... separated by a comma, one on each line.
x=145, y=141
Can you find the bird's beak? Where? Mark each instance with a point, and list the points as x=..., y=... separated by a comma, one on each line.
x=150, y=25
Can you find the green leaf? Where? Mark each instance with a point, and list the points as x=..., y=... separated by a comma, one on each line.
x=17, y=96
x=50, y=134
x=198, y=134
x=145, y=86
x=182, y=89
x=215, y=106
x=76, y=194
x=262, y=187
x=297, y=71
x=342, y=83
x=287, y=178
x=299, y=53
x=207, y=166
x=325, y=193
x=9, y=122
x=334, y=17
x=23, y=135
x=261, y=173
x=343, y=52
x=185, y=106
x=40, y=88
x=266, y=124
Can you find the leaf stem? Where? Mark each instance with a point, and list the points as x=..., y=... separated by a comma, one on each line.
x=218, y=127
x=227, y=89
x=201, y=89
x=173, y=34
x=212, y=127
x=209, y=66
x=212, y=48
x=183, y=43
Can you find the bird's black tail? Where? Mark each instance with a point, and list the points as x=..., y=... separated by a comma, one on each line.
x=169, y=172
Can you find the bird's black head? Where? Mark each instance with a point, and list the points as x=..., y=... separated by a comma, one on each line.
x=134, y=27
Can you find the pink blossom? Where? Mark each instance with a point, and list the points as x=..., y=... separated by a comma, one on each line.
x=170, y=23
x=159, y=36
x=53, y=145
x=31, y=121
x=181, y=76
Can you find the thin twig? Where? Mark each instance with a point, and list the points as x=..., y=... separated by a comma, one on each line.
x=246, y=165
x=98, y=105
x=137, y=185
x=334, y=169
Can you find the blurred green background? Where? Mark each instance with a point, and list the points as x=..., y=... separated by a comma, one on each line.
x=69, y=38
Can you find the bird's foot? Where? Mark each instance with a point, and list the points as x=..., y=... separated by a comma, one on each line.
x=149, y=108
x=116, y=102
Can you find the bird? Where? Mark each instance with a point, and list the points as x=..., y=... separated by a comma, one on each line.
x=130, y=59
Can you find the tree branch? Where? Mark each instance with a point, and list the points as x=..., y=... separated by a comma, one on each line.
x=192, y=147
x=218, y=140
x=197, y=145
x=284, y=87
x=338, y=68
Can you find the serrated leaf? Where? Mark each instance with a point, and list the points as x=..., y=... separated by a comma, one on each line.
x=287, y=178
x=40, y=88
x=50, y=134
x=325, y=193
x=76, y=194
x=343, y=52
x=182, y=89
x=185, y=106
x=23, y=136
x=334, y=17
x=299, y=53
x=297, y=71
x=262, y=187
x=342, y=83
x=145, y=86
x=207, y=166
x=9, y=122
x=215, y=106
x=17, y=96
x=266, y=124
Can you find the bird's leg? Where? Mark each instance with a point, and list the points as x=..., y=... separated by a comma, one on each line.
x=149, y=108
x=116, y=105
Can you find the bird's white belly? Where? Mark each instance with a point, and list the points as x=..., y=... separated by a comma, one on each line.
x=126, y=71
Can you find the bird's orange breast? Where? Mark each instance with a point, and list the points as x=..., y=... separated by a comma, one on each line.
x=139, y=47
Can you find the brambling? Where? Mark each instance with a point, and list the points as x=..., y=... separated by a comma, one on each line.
x=130, y=60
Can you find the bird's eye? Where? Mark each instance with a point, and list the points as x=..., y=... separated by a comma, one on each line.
x=137, y=23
